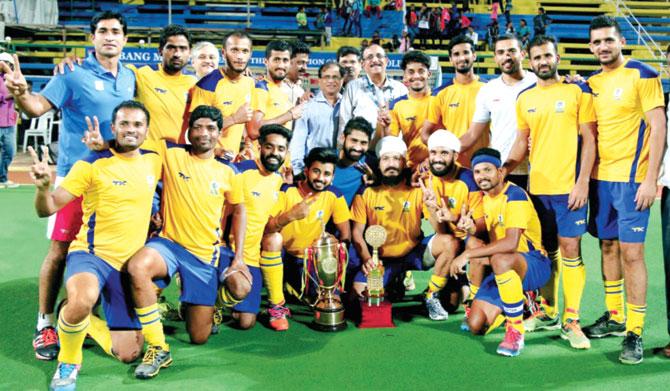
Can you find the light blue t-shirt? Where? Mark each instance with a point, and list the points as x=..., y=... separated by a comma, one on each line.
x=89, y=90
x=348, y=180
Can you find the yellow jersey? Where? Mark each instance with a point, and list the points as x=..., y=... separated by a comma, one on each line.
x=117, y=194
x=512, y=208
x=457, y=192
x=621, y=98
x=552, y=115
x=261, y=193
x=300, y=234
x=194, y=193
x=272, y=100
x=165, y=97
x=219, y=91
x=398, y=209
x=453, y=108
x=407, y=116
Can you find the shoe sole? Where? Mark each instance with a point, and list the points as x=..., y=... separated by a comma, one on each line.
x=45, y=358
x=508, y=353
x=605, y=335
x=585, y=345
x=629, y=362
x=153, y=374
x=439, y=318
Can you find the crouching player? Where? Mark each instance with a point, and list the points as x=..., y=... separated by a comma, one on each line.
x=515, y=253
x=449, y=195
x=117, y=186
x=298, y=219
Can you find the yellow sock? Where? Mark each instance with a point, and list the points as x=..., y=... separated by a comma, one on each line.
x=99, y=331
x=511, y=294
x=273, y=275
x=226, y=298
x=574, y=278
x=549, y=291
x=152, y=328
x=635, y=315
x=71, y=338
x=435, y=285
x=500, y=319
x=614, y=299
x=473, y=291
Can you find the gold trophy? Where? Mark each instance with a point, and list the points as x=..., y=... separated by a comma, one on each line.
x=375, y=236
x=326, y=265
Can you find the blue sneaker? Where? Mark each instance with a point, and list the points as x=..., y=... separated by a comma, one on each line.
x=65, y=378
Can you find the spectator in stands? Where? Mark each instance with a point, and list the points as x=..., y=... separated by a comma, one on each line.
x=472, y=34
x=436, y=25
x=364, y=45
x=301, y=19
x=297, y=70
x=350, y=59
x=320, y=20
x=465, y=23
x=412, y=22
x=540, y=22
x=492, y=33
x=365, y=96
x=346, y=10
x=424, y=27
x=7, y=127
x=405, y=43
x=495, y=9
x=204, y=58
x=356, y=15
x=374, y=6
x=328, y=26
x=523, y=33
x=508, y=10
x=318, y=125
x=510, y=28
x=376, y=39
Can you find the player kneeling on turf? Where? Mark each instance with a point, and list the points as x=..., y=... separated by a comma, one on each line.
x=514, y=253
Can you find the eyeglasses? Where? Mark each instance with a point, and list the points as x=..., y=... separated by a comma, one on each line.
x=329, y=77
x=371, y=57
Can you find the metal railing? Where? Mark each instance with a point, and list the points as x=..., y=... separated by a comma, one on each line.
x=643, y=37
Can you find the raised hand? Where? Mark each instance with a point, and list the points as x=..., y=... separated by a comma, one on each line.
x=69, y=62
x=92, y=136
x=369, y=177
x=40, y=171
x=14, y=80
x=243, y=114
x=429, y=196
x=301, y=209
x=465, y=222
x=296, y=111
x=444, y=215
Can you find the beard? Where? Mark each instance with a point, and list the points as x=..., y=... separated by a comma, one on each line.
x=348, y=155
x=392, y=180
x=443, y=172
x=272, y=167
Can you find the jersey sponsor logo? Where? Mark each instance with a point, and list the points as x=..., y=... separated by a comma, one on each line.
x=560, y=106
x=410, y=118
x=532, y=110
x=117, y=182
x=379, y=208
x=160, y=90
x=99, y=85
x=214, y=188
x=618, y=93
x=319, y=215
x=256, y=193
x=151, y=180
x=405, y=206
x=501, y=221
x=595, y=94
x=454, y=105
x=637, y=229
x=580, y=222
x=227, y=102
x=183, y=176
x=451, y=202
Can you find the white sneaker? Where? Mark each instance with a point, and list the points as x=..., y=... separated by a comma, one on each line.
x=435, y=309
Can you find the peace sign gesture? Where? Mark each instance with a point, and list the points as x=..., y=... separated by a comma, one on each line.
x=466, y=223
x=14, y=80
x=301, y=210
x=92, y=137
x=429, y=196
x=39, y=171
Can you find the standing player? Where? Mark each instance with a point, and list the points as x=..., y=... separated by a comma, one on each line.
x=556, y=116
x=261, y=183
x=117, y=186
x=93, y=89
x=196, y=186
x=299, y=218
x=229, y=90
x=514, y=253
x=454, y=102
x=628, y=100
x=407, y=113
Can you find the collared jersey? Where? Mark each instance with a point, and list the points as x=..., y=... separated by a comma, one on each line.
x=512, y=208
x=453, y=108
x=90, y=90
x=117, y=193
x=396, y=208
x=553, y=115
x=165, y=97
x=407, y=116
x=219, y=91
x=272, y=100
x=300, y=234
x=621, y=98
x=457, y=192
x=261, y=193
x=194, y=193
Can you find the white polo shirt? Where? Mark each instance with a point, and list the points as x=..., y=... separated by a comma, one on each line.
x=496, y=103
x=665, y=171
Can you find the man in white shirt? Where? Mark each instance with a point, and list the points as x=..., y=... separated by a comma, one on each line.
x=496, y=104
x=368, y=94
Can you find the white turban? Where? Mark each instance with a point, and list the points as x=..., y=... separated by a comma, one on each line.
x=391, y=144
x=445, y=139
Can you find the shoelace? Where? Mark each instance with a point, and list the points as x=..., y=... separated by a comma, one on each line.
x=48, y=336
x=150, y=356
x=65, y=370
x=510, y=335
x=279, y=311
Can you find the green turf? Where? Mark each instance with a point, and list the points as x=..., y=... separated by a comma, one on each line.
x=418, y=354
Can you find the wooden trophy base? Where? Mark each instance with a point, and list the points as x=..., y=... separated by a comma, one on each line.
x=376, y=316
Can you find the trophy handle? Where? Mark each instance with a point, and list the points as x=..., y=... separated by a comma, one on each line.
x=344, y=261
x=307, y=265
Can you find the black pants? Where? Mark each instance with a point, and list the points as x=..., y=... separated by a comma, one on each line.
x=665, y=232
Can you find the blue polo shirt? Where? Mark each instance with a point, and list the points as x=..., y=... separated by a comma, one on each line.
x=89, y=90
x=348, y=180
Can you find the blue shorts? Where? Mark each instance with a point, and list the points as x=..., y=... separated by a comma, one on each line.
x=537, y=274
x=557, y=218
x=252, y=303
x=114, y=286
x=156, y=201
x=199, y=281
x=613, y=214
x=393, y=267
